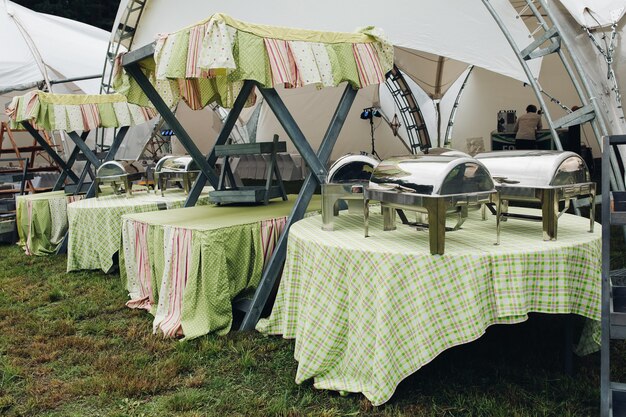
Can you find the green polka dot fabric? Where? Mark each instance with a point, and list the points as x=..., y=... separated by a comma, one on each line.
x=95, y=225
x=42, y=221
x=368, y=312
x=186, y=266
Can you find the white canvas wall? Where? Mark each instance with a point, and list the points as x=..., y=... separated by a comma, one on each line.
x=487, y=92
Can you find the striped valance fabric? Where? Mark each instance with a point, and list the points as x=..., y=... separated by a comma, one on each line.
x=208, y=62
x=75, y=112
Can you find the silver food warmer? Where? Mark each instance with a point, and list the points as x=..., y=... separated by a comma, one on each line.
x=544, y=177
x=182, y=169
x=119, y=175
x=429, y=184
x=347, y=178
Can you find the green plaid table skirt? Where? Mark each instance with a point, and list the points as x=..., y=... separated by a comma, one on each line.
x=366, y=313
x=95, y=225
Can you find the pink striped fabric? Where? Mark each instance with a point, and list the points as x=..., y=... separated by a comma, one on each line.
x=367, y=64
x=283, y=65
x=29, y=210
x=90, y=115
x=196, y=35
x=190, y=92
x=144, y=274
x=171, y=324
x=147, y=113
x=270, y=232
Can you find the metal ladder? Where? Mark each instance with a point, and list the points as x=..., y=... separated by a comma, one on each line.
x=409, y=110
x=548, y=41
x=123, y=37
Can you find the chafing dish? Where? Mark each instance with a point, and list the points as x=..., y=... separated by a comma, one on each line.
x=175, y=168
x=120, y=175
x=430, y=184
x=544, y=177
x=347, y=178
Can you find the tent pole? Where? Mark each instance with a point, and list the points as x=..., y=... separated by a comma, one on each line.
x=274, y=267
x=169, y=117
x=227, y=128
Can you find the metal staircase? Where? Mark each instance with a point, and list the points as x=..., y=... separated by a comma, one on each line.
x=121, y=39
x=410, y=112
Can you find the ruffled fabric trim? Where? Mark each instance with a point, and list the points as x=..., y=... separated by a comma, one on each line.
x=75, y=112
x=209, y=61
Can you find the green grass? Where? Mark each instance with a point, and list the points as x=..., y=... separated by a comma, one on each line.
x=69, y=347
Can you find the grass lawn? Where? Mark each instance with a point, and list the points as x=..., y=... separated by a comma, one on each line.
x=69, y=347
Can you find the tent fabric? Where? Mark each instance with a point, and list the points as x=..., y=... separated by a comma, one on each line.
x=76, y=112
x=595, y=13
x=458, y=29
x=209, y=61
x=37, y=46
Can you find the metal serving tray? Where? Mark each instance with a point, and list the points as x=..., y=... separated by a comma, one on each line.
x=430, y=184
x=175, y=168
x=120, y=175
x=347, y=178
x=544, y=177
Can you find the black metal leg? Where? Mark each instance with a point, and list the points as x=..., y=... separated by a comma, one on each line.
x=295, y=134
x=84, y=148
x=274, y=267
x=169, y=117
x=55, y=156
x=229, y=124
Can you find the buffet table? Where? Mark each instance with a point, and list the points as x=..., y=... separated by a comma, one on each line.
x=368, y=312
x=95, y=225
x=186, y=266
x=42, y=221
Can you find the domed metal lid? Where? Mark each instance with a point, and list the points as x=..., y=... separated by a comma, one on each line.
x=433, y=174
x=536, y=168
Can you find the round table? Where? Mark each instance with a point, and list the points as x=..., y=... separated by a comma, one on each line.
x=368, y=312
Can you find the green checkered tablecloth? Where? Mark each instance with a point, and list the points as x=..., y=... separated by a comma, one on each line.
x=42, y=221
x=95, y=225
x=186, y=266
x=368, y=312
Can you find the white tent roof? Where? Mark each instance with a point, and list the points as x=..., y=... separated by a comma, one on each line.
x=458, y=29
x=36, y=45
x=596, y=13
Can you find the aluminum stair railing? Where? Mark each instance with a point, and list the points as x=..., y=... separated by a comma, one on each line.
x=410, y=112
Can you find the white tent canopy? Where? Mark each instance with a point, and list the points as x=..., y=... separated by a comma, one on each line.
x=432, y=42
x=435, y=27
x=37, y=47
x=595, y=13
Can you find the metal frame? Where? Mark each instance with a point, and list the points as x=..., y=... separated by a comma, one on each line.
x=613, y=323
x=315, y=161
x=410, y=111
x=448, y=136
x=590, y=111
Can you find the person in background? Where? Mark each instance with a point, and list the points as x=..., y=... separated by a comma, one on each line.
x=526, y=128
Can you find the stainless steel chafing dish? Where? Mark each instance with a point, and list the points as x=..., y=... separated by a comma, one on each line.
x=347, y=178
x=544, y=177
x=119, y=174
x=175, y=168
x=431, y=184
